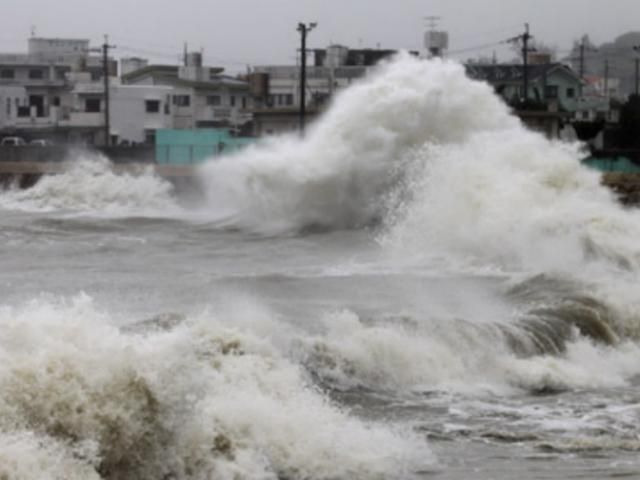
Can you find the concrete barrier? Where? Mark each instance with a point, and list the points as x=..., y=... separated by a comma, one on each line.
x=60, y=153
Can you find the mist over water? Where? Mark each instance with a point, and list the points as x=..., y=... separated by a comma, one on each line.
x=420, y=270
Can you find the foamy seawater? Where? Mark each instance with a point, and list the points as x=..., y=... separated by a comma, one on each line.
x=420, y=288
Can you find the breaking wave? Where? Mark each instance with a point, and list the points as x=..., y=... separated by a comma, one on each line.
x=534, y=352
x=89, y=185
x=198, y=397
x=340, y=174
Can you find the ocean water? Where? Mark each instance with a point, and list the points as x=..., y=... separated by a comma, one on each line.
x=421, y=288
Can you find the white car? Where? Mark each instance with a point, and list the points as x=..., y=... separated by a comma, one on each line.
x=12, y=141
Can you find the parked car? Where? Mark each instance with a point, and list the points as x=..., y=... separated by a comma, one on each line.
x=42, y=142
x=12, y=141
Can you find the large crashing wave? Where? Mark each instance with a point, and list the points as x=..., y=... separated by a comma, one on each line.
x=210, y=396
x=339, y=175
x=440, y=159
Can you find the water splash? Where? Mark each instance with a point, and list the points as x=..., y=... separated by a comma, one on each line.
x=89, y=185
x=339, y=175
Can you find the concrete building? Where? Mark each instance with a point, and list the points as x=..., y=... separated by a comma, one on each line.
x=200, y=96
x=56, y=91
x=136, y=112
x=36, y=87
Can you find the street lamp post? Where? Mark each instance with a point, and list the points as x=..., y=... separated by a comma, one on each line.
x=304, y=29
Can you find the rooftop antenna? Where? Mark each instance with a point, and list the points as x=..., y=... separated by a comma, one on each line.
x=33, y=31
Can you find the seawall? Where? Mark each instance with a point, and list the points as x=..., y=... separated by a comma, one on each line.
x=25, y=165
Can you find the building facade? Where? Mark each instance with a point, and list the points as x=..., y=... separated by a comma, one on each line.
x=36, y=88
x=200, y=96
x=553, y=86
x=56, y=91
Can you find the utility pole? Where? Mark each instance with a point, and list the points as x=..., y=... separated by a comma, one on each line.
x=524, y=38
x=304, y=29
x=105, y=76
x=525, y=57
x=581, y=65
x=606, y=78
x=636, y=48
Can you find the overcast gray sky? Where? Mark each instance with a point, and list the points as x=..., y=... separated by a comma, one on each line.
x=240, y=32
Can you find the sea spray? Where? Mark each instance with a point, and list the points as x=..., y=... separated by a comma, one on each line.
x=89, y=185
x=515, y=200
x=339, y=174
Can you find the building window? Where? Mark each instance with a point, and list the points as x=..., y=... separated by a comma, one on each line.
x=214, y=100
x=36, y=74
x=232, y=100
x=8, y=107
x=56, y=101
x=571, y=92
x=182, y=100
x=7, y=74
x=92, y=105
x=152, y=106
x=551, y=91
x=244, y=102
x=23, y=111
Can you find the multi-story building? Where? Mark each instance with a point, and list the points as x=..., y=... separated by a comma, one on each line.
x=200, y=96
x=36, y=87
x=56, y=91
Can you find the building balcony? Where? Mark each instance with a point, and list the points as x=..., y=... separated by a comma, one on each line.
x=85, y=119
x=32, y=83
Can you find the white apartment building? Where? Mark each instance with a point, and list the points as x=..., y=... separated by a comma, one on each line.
x=35, y=91
x=200, y=96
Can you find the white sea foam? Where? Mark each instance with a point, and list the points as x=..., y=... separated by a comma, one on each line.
x=206, y=399
x=89, y=185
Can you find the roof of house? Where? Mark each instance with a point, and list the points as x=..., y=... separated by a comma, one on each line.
x=171, y=75
x=513, y=73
